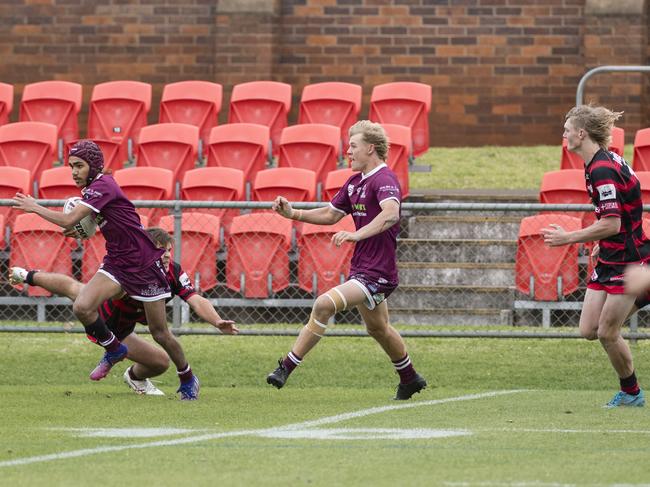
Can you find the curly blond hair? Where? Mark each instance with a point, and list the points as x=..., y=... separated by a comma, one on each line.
x=596, y=121
x=374, y=134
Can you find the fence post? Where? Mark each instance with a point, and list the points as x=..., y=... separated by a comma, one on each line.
x=178, y=221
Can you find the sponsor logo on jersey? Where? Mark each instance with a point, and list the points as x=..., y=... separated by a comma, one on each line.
x=350, y=189
x=607, y=192
x=184, y=279
x=91, y=193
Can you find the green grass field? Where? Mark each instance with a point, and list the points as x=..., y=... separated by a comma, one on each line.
x=497, y=412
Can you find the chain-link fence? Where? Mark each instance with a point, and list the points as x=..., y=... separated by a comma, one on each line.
x=459, y=264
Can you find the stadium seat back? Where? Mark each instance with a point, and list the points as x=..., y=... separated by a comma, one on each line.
x=321, y=265
x=55, y=102
x=57, y=184
x=30, y=145
x=172, y=146
x=39, y=244
x=147, y=183
x=258, y=258
x=262, y=102
x=241, y=146
x=118, y=110
x=6, y=102
x=644, y=181
x=404, y=103
x=542, y=265
x=642, y=150
x=335, y=181
x=331, y=103
x=293, y=183
x=566, y=187
x=310, y=146
x=399, y=153
x=13, y=180
x=570, y=160
x=214, y=184
x=193, y=102
x=200, y=244
x=617, y=144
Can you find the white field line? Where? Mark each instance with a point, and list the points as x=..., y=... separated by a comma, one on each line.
x=213, y=436
x=568, y=431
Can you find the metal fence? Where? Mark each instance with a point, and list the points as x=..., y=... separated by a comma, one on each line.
x=469, y=264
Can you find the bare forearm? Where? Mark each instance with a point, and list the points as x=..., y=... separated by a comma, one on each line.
x=603, y=228
x=204, y=309
x=58, y=218
x=317, y=216
x=380, y=223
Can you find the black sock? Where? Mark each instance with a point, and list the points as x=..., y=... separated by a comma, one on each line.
x=630, y=384
x=100, y=332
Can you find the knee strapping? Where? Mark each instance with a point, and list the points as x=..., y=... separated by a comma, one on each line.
x=337, y=298
x=316, y=327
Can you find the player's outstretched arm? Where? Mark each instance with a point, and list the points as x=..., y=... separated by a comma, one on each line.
x=206, y=311
x=555, y=235
x=319, y=216
x=28, y=204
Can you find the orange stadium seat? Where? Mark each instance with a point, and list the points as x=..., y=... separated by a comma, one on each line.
x=399, y=154
x=110, y=150
x=321, y=265
x=642, y=150
x=404, y=103
x=39, y=244
x=118, y=110
x=618, y=141
x=566, y=187
x=293, y=183
x=95, y=250
x=172, y=146
x=55, y=102
x=333, y=103
x=6, y=102
x=214, y=184
x=57, y=184
x=263, y=102
x=2, y=232
x=30, y=145
x=193, y=102
x=242, y=146
x=546, y=273
x=313, y=146
x=12, y=181
x=258, y=254
x=147, y=183
x=335, y=181
x=644, y=180
x=200, y=244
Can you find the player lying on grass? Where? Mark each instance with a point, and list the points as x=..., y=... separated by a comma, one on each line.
x=121, y=313
x=373, y=197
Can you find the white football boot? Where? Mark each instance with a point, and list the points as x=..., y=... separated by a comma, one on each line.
x=144, y=386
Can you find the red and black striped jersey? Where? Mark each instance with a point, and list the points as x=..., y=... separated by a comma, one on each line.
x=126, y=311
x=615, y=192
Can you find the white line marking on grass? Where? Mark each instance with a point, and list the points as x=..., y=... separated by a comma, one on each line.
x=213, y=436
x=127, y=432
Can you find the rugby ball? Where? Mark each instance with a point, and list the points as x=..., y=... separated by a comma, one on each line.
x=87, y=227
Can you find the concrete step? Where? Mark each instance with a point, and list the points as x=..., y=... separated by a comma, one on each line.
x=464, y=227
x=456, y=273
x=456, y=250
x=445, y=296
x=450, y=317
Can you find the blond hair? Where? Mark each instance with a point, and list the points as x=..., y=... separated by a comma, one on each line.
x=374, y=134
x=596, y=121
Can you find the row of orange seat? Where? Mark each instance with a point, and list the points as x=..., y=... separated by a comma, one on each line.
x=174, y=146
x=118, y=110
x=641, y=156
x=202, y=184
x=257, y=247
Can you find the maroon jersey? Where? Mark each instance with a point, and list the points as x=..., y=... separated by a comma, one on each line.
x=122, y=314
x=128, y=246
x=615, y=192
x=361, y=196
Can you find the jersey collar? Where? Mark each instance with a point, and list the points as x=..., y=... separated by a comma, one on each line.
x=367, y=175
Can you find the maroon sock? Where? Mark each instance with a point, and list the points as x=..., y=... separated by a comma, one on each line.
x=405, y=369
x=185, y=374
x=112, y=344
x=291, y=361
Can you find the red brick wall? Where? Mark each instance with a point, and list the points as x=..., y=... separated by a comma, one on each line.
x=501, y=71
